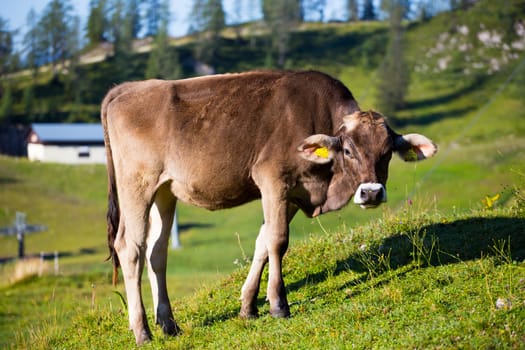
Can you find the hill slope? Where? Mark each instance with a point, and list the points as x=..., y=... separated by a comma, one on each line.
x=407, y=281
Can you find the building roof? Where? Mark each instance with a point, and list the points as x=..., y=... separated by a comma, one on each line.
x=66, y=133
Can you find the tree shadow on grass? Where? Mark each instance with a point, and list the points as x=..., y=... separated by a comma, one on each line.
x=464, y=240
x=7, y=180
x=446, y=243
x=436, y=101
x=439, y=244
x=433, y=117
x=472, y=86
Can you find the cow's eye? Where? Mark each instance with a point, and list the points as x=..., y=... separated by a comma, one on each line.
x=348, y=153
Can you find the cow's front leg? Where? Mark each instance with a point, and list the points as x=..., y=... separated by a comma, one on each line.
x=277, y=243
x=271, y=244
x=267, y=241
x=276, y=217
x=250, y=289
x=276, y=292
x=278, y=238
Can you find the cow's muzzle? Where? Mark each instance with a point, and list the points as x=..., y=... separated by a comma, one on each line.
x=370, y=195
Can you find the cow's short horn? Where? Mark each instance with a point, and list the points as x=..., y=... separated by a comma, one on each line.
x=350, y=121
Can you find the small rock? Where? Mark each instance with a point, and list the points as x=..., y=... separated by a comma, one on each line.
x=503, y=304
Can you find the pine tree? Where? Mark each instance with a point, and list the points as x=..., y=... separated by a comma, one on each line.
x=122, y=39
x=6, y=47
x=163, y=60
x=31, y=45
x=54, y=30
x=75, y=82
x=216, y=18
x=134, y=17
x=353, y=12
x=208, y=20
x=281, y=16
x=207, y=15
x=394, y=77
x=97, y=24
x=153, y=17
x=369, y=13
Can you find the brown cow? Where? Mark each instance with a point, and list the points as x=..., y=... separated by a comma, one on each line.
x=297, y=140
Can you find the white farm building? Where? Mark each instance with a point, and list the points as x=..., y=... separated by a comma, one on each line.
x=66, y=143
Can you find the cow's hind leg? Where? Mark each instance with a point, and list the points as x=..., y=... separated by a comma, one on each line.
x=161, y=220
x=130, y=245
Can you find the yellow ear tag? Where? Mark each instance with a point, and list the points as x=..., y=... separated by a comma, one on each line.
x=322, y=152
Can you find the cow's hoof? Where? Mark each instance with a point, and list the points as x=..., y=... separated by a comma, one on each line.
x=248, y=313
x=283, y=312
x=170, y=328
x=143, y=337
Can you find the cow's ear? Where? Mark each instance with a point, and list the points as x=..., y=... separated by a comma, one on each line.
x=319, y=148
x=414, y=147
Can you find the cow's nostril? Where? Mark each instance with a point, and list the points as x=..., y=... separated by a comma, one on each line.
x=373, y=195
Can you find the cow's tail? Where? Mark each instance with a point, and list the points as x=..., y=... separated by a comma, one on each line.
x=113, y=213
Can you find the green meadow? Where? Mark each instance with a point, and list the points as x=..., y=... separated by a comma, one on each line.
x=441, y=265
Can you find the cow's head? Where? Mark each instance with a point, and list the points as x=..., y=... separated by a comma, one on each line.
x=360, y=153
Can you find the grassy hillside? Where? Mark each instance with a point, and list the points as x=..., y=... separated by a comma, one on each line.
x=409, y=280
x=434, y=267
